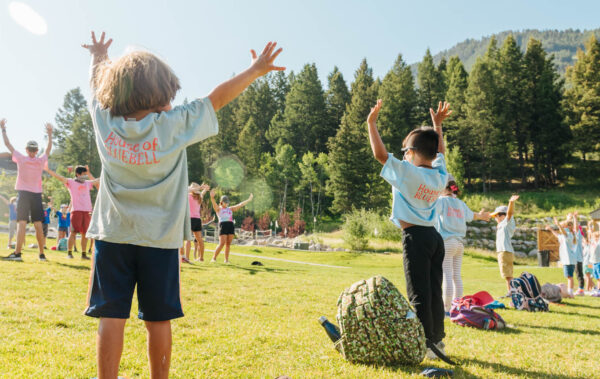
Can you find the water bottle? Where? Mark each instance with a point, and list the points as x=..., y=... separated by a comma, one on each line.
x=332, y=331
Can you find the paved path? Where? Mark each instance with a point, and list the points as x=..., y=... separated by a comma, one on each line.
x=283, y=260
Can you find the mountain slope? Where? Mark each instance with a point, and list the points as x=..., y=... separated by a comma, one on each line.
x=562, y=43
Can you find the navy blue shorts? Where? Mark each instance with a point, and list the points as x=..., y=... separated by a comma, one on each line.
x=118, y=268
x=568, y=270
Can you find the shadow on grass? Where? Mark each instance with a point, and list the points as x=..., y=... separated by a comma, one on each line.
x=577, y=314
x=74, y=266
x=580, y=305
x=564, y=330
x=503, y=369
x=259, y=269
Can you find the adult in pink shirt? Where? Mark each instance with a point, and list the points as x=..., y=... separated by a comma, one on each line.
x=29, y=188
x=81, y=203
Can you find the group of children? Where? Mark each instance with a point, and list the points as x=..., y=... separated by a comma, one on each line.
x=579, y=253
x=141, y=216
x=226, y=225
x=27, y=206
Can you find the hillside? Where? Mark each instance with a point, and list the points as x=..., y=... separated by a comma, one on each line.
x=562, y=43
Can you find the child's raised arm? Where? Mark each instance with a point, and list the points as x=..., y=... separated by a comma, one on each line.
x=437, y=118
x=379, y=151
x=560, y=229
x=261, y=65
x=5, y=137
x=62, y=179
x=243, y=203
x=212, y=200
x=482, y=215
x=49, y=129
x=549, y=228
x=99, y=52
x=95, y=181
x=511, y=206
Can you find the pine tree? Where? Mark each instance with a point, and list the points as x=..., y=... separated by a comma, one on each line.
x=353, y=174
x=75, y=135
x=396, y=118
x=337, y=99
x=550, y=135
x=249, y=139
x=257, y=102
x=511, y=110
x=456, y=130
x=582, y=99
x=431, y=87
x=304, y=121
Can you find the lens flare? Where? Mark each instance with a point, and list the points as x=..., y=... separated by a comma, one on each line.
x=263, y=196
x=228, y=172
x=29, y=19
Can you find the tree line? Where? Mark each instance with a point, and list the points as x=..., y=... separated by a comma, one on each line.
x=516, y=123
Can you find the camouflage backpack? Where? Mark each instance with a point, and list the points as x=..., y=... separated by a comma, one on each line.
x=378, y=325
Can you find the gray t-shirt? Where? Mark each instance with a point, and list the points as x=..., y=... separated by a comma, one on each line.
x=144, y=183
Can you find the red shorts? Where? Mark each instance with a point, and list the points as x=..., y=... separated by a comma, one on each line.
x=80, y=221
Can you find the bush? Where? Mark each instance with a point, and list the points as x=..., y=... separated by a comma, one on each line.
x=284, y=223
x=299, y=224
x=382, y=227
x=357, y=229
x=264, y=223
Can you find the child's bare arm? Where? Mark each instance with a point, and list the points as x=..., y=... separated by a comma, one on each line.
x=5, y=137
x=511, y=206
x=482, y=215
x=437, y=118
x=49, y=132
x=560, y=230
x=549, y=228
x=212, y=200
x=261, y=65
x=62, y=179
x=379, y=151
x=243, y=203
x=99, y=52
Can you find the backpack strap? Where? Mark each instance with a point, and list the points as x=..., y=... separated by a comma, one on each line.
x=439, y=354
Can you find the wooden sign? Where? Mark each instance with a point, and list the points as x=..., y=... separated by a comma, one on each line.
x=547, y=241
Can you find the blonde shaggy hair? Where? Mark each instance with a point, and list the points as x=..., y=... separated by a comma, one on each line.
x=134, y=82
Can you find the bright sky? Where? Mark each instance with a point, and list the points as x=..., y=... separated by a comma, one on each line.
x=206, y=41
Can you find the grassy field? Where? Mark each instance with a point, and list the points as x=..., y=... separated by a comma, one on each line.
x=245, y=321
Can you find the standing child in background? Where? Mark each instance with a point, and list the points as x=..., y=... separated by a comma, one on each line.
x=417, y=181
x=29, y=188
x=576, y=230
x=64, y=222
x=504, y=231
x=566, y=249
x=81, y=205
x=226, y=226
x=12, y=219
x=195, y=195
x=142, y=214
x=453, y=215
x=588, y=268
x=46, y=221
x=595, y=261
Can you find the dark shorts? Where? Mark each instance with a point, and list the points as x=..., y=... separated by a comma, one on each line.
x=118, y=268
x=568, y=270
x=196, y=224
x=226, y=228
x=80, y=221
x=45, y=229
x=29, y=206
x=63, y=229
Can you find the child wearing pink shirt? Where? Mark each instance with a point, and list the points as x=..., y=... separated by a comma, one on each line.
x=81, y=205
x=29, y=189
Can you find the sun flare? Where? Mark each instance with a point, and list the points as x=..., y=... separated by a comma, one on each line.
x=28, y=18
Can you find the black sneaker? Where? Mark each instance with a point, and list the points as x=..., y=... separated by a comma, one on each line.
x=13, y=257
x=69, y=255
x=85, y=257
x=43, y=258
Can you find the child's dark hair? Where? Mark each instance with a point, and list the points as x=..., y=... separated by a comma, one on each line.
x=424, y=140
x=452, y=187
x=80, y=170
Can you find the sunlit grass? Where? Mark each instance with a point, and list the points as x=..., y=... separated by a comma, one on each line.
x=245, y=321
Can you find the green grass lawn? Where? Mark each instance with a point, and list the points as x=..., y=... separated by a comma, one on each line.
x=246, y=321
